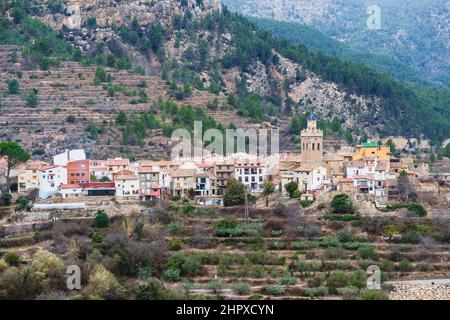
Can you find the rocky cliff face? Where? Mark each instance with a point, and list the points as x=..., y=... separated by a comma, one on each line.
x=108, y=12
x=200, y=53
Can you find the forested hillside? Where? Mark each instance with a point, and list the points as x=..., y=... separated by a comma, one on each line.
x=316, y=41
x=208, y=48
x=412, y=32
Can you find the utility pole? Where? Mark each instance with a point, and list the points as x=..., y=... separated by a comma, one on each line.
x=246, y=215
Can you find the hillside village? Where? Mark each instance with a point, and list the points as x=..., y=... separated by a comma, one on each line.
x=91, y=93
x=368, y=172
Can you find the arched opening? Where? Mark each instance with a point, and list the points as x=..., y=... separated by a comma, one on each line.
x=318, y=146
x=313, y=146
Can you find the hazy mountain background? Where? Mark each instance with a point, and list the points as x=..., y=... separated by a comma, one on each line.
x=413, y=41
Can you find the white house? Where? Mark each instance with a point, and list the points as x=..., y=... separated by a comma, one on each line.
x=361, y=167
x=50, y=178
x=70, y=190
x=126, y=183
x=252, y=175
x=203, y=184
x=69, y=155
x=310, y=177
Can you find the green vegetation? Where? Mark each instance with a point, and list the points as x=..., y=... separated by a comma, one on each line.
x=234, y=194
x=421, y=109
x=101, y=220
x=15, y=154
x=292, y=189
x=342, y=205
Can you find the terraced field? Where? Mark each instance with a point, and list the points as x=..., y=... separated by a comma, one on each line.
x=69, y=90
x=289, y=254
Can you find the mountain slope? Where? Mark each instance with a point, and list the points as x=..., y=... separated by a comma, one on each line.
x=413, y=32
x=201, y=45
x=318, y=42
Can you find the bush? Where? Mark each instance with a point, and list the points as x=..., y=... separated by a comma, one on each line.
x=292, y=189
x=337, y=279
x=174, y=228
x=404, y=266
x=317, y=292
x=176, y=244
x=334, y=253
x=311, y=231
x=367, y=252
x=5, y=199
x=172, y=275
x=345, y=235
x=23, y=203
x=411, y=236
x=368, y=294
x=13, y=87
x=417, y=209
x=71, y=119
x=341, y=204
x=288, y=279
x=348, y=293
x=215, y=286
x=12, y=259
x=425, y=267
x=241, y=288
x=387, y=265
x=275, y=290
x=306, y=203
x=101, y=220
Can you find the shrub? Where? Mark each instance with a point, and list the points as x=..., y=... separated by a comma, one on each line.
x=367, y=252
x=368, y=294
x=306, y=203
x=23, y=203
x=288, y=279
x=337, y=279
x=5, y=199
x=101, y=220
x=275, y=290
x=425, y=267
x=172, y=275
x=215, y=286
x=241, y=288
x=341, y=204
x=405, y=247
x=292, y=189
x=390, y=230
x=174, y=228
x=404, y=266
x=317, y=292
x=13, y=87
x=417, y=209
x=348, y=293
x=387, y=265
x=12, y=259
x=224, y=227
x=311, y=231
x=71, y=119
x=334, y=253
x=176, y=244
x=345, y=235
x=411, y=236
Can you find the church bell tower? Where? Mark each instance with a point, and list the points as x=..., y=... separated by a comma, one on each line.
x=311, y=142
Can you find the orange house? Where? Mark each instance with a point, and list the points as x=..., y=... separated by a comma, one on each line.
x=78, y=172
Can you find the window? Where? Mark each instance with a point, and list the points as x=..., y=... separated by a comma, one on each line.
x=313, y=146
x=318, y=146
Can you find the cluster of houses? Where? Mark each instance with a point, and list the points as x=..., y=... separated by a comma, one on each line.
x=368, y=169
